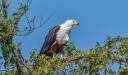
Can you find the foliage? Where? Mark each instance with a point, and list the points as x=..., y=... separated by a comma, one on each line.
x=103, y=59
x=8, y=29
x=95, y=61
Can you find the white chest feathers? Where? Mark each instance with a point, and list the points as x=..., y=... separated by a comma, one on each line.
x=62, y=35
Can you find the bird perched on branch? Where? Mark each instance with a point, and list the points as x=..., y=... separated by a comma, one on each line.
x=57, y=38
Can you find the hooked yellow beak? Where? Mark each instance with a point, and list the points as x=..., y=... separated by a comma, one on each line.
x=75, y=23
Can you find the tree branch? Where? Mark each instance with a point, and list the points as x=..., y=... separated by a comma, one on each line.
x=72, y=58
x=4, y=8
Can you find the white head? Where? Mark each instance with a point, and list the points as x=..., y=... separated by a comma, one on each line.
x=71, y=22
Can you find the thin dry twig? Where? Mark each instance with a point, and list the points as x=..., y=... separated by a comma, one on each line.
x=29, y=30
x=31, y=26
x=9, y=3
x=72, y=58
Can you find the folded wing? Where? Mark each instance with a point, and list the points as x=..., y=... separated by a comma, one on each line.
x=49, y=40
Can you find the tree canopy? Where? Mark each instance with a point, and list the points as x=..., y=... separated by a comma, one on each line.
x=95, y=61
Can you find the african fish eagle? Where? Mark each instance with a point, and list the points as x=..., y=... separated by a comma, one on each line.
x=57, y=38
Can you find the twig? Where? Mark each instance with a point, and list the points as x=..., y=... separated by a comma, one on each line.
x=9, y=3
x=72, y=58
x=32, y=27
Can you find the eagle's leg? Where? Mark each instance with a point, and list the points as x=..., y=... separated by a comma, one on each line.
x=51, y=53
x=54, y=49
x=62, y=52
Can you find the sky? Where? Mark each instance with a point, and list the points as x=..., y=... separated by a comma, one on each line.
x=97, y=18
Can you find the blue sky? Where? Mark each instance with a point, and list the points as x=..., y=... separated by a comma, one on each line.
x=97, y=18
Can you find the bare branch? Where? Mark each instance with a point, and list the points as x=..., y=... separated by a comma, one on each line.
x=29, y=30
x=45, y=21
x=9, y=3
x=72, y=58
x=31, y=26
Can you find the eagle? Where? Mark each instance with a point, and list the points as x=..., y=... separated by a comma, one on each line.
x=57, y=38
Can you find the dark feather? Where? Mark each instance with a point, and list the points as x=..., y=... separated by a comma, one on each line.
x=49, y=40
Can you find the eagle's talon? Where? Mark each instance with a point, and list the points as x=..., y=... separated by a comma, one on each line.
x=63, y=57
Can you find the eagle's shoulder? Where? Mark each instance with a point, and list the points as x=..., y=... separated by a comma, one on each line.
x=54, y=29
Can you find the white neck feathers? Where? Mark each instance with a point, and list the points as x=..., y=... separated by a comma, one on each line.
x=66, y=26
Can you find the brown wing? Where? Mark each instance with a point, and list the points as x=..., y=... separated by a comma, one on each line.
x=49, y=40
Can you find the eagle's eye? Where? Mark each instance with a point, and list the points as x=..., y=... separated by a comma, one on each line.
x=73, y=21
